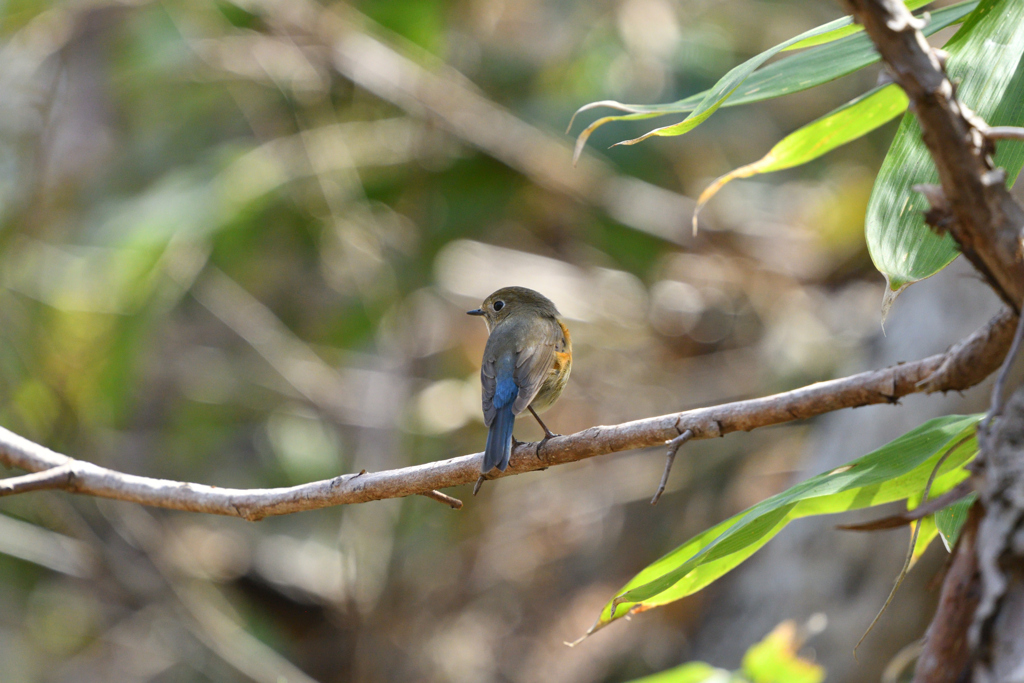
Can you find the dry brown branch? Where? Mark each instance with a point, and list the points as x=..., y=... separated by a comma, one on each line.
x=995, y=634
x=975, y=206
x=963, y=366
x=945, y=653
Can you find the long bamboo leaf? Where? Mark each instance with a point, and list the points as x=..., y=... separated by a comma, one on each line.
x=845, y=30
x=951, y=519
x=898, y=470
x=747, y=83
x=985, y=61
x=849, y=122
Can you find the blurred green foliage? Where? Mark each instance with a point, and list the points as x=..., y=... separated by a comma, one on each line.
x=229, y=256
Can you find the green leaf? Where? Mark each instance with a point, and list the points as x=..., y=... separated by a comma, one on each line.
x=924, y=537
x=772, y=660
x=746, y=83
x=775, y=659
x=849, y=122
x=985, y=60
x=896, y=471
x=691, y=672
x=951, y=519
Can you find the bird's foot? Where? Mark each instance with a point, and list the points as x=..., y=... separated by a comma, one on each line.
x=548, y=435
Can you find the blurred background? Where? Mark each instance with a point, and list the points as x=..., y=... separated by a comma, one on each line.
x=237, y=242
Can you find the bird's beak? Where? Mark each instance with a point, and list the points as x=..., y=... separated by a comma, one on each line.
x=475, y=311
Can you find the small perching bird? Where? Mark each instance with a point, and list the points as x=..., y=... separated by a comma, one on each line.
x=526, y=365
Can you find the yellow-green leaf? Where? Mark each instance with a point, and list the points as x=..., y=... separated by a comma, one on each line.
x=748, y=82
x=950, y=520
x=849, y=122
x=775, y=659
x=896, y=471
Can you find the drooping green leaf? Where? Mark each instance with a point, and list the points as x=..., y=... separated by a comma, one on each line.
x=747, y=83
x=985, y=61
x=895, y=471
x=951, y=519
x=849, y=122
x=929, y=526
x=925, y=537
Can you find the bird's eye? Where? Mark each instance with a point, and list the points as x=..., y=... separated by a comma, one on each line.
x=498, y=305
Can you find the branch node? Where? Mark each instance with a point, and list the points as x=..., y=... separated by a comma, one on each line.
x=906, y=22
x=995, y=177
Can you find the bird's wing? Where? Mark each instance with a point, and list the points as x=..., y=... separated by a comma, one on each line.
x=535, y=361
x=497, y=377
x=488, y=373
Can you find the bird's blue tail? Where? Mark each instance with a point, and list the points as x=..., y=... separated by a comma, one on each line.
x=499, y=440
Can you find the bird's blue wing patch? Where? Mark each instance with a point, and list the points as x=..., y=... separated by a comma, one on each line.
x=505, y=391
x=499, y=437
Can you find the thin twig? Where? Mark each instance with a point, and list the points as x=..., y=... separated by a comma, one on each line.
x=54, y=478
x=961, y=490
x=1004, y=133
x=673, y=448
x=913, y=542
x=453, y=503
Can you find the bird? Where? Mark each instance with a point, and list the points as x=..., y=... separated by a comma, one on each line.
x=525, y=366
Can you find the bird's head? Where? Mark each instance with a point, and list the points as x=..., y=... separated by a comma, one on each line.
x=510, y=300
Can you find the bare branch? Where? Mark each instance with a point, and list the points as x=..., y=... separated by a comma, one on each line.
x=960, y=369
x=982, y=612
x=999, y=618
x=945, y=654
x=972, y=355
